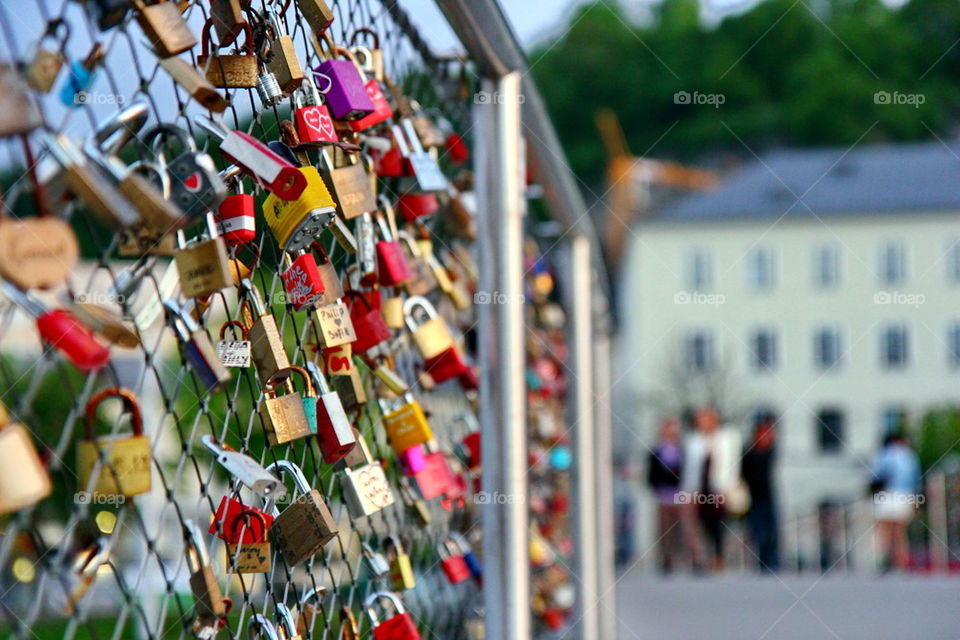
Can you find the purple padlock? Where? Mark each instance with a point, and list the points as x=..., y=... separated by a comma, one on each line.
x=346, y=94
x=414, y=460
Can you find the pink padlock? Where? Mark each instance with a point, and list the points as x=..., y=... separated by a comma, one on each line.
x=414, y=460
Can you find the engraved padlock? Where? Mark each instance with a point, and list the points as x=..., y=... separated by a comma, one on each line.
x=269, y=354
x=126, y=459
x=203, y=264
x=303, y=528
x=285, y=417
x=234, y=71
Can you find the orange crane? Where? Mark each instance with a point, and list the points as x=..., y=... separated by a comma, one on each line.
x=629, y=180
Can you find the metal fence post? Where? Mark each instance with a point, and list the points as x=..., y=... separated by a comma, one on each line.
x=604, y=470
x=503, y=417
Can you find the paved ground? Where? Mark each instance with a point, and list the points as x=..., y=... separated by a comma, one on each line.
x=796, y=608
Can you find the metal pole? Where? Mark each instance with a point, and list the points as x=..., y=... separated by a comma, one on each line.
x=503, y=417
x=581, y=407
x=603, y=437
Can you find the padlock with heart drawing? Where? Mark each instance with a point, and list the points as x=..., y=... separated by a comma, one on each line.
x=312, y=117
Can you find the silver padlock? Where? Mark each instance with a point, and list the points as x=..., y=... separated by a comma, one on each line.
x=247, y=470
x=376, y=561
x=196, y=185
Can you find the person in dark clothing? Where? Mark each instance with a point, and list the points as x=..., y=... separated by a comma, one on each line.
x=757, y=469
x=663, y=476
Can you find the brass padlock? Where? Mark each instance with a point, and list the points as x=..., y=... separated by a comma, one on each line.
x=18, y=110
x=334, y=325
x=392, y=310
x=423, y=279
x=126, y=458
x=45, y=64
x=228, y=22
x=199, y=88
x=266, y=345
x=415, y=505
x=283, y=63
x=203, y=266
x=235, y=71
x=365, y=488
x=432, y=336
x=165, y=28
x=407, y=425
x=350, y=185
x=305, y=526
x=401, y=570
x=23, y=476
x=332, y=286
x=248, y=557
x=309, y=611
x=209, y=604
x=317, y=13
x=284, y=417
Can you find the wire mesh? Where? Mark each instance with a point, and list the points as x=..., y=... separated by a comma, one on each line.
x=75, y=566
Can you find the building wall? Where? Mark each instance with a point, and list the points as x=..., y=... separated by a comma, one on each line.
x=658, y=307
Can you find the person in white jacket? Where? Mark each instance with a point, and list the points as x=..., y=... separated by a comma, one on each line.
x=711, y=470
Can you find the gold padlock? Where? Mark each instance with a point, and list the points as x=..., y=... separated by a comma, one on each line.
x=284, y=417
x=199, y=88
x=203, y=266
x=229, y=70
x=248, y=557
x=283, y=63
x=209, y=604
x=228, y=22
x=165, y=28
x=126, y=458
x=45, y=64
x=266, y=343
x=350, y=185
x=317, y=13
x=407, y=426
x=23, y=476
x=296, y=223
x=431, y=336
x=401, y=570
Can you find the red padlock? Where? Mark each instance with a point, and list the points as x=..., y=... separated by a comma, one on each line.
x=446, y=365
x=302, y=281
x=236, y=218
x=227, y=512
x=368, y=323
x=399, y=626
x=436, y=478
x=314, y=122
x=417, y=205
x=392, y=267
x=452, y=562
x=392, y=164
x=457, y=149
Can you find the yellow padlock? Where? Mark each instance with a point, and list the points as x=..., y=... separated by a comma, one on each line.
x=126, y=468
x=295, y=223
x=407, y=426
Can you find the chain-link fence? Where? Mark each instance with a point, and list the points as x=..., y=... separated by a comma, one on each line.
x=81, y=564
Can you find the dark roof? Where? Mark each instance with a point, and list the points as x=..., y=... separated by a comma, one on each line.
x=874, y=179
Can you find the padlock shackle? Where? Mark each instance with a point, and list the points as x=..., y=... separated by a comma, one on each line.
x=349, y=629
x=272, y=381
x=392, y=544
x=285, y=621
x=319, y=381
x=314, y=594
x=244, y=333
x=206, y=39
x=445, y=551
x=113, y=133
x=286, y=466
x=412, y=303
x=253, y=296
x=197, y=556
x=245, y=517
x=368, y=32
x=375, y=597
x=353, y=294
x=130, y=406
x=259, y=625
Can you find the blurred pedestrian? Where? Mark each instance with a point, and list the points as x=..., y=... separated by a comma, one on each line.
x=663, y=476
x=896, y=484
x=757, y=470
x=711, y=469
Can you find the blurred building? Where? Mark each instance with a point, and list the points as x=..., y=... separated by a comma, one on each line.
x=821, y=286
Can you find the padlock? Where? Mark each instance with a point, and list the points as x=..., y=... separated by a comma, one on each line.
x=195, y=183
x=372, y=65
x=108, y=13
x=295, y=224
x=392, y=310
x=306, y=525
x=245, y=469
x=332, y=287
x=333, y=324
x=268, y=89
x=407, y=425
x=257, y=160
x=430, y=134
x=308, y=611
x=234, y=353
x=203, y=264
x=376, y=562
x=229, y=509
x=347, y=96
x=350, y=389
x=436, y=478
x=421, y=280
x=312, y=117
x=365, y=487
x=334, y=432
x=366, y=256
x=196, y=348
x=126, y=458
x=44, y=63
x=285, y=417
x=399, y=626
x=23, y=477
x=234, y=71
x=413, y=460
x=106, y=323
x=286, y=624
x=367, y=322
x=228, y=22
x=195, y=84
x=432, y=337
x=283, y=62
x=349, y=184
x=266, y=344
x=382, y=111
x=392, y=267
x=73, y=93
x=37, y=253
x=417, y=205
x=416, y=506
x=473, y=562
x=423, y=165
x=450, y=364
x=166, y=30
x=61, y=329
x=260, y=627
x=401, y=569
x=209, y=604
x=302, y=281
x=20, y=111
x=452, y=562
x=318, y=15
x=236, y=218
x=253, y=556
x=383, y=369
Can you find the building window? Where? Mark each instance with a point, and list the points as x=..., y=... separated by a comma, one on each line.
x=760, y=269
x=763, y=349
x=893, y=347
x=699, y=351
x=894, y=420
x=827, y=348
x=826, y=266
x=699, y=272
x=830, y=427
x=953, y=345
x=953, y=261
x=893, y=263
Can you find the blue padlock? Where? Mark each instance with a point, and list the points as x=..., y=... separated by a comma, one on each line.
x=73, y=93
